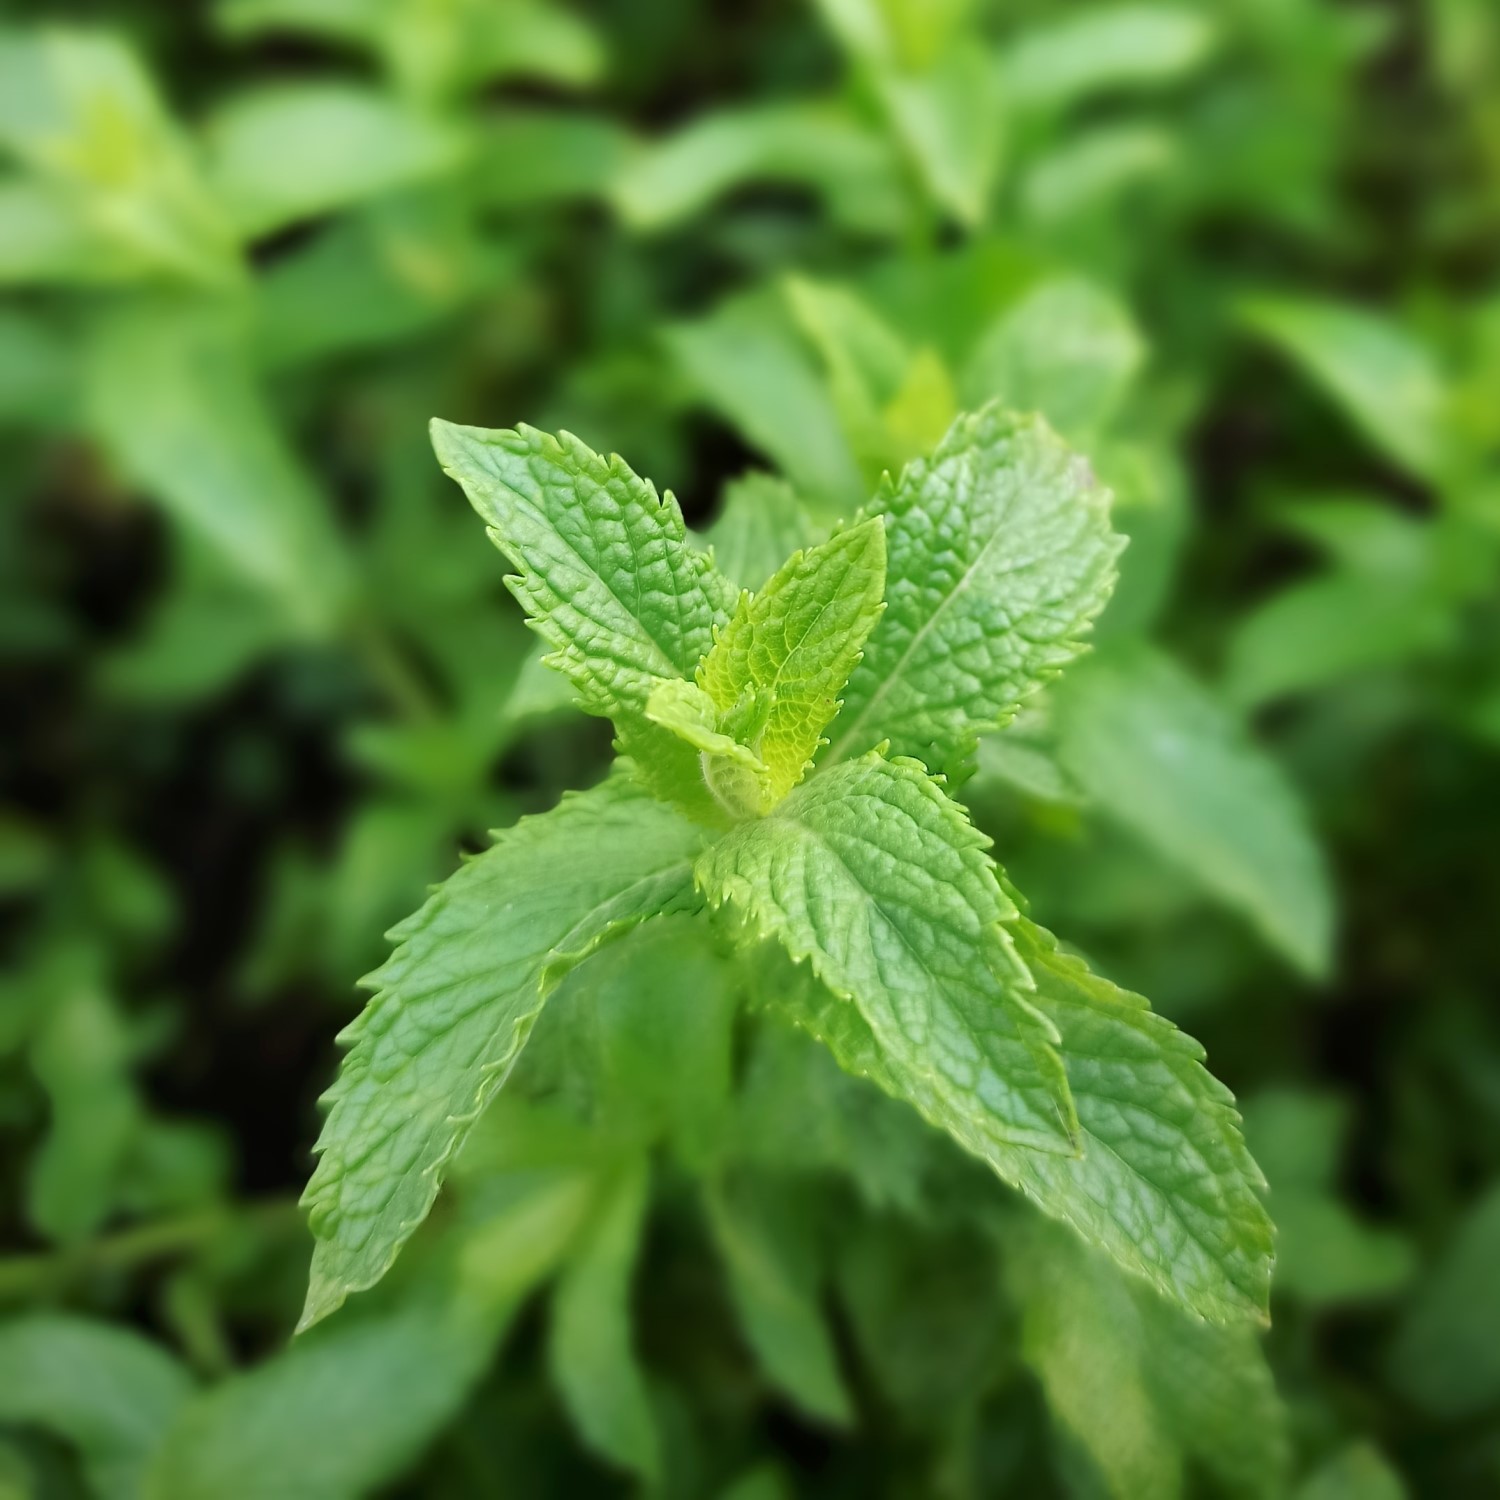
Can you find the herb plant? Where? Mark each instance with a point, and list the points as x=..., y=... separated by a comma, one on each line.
x=789, y=763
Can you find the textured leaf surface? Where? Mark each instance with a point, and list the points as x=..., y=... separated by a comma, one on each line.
x=454, y=1005
x=107, y=1392
x=776, y=670
x=591, y=1352
x=999, y=554
x=1157, y=753
x=1163, y=1183
x=878, y=879
x=606, y=574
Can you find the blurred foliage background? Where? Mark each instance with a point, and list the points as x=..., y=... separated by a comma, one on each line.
x=262, y=684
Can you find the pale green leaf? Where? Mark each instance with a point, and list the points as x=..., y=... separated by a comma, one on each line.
x=105, y=1391
x=1105, y=48
x=455, y=1003
x=761, y=523
x=1068, y=350
x=873, y=875
x=817, y=146
x=1158, y=754
x=81, y=112
x=606, y=574
x=776, y=669
x=733, y=774
x=291, y=151
x=999, y=554
x=1093, y=169
x=591, y=1353
x=764, y=1230
x=1386, y=381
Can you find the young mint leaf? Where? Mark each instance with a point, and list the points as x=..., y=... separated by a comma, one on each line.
x=764, y=1231
x=776, y=670
x=734, y=775
x=606, y=577
x=590, y=1351
x=1164, y=1184
x=455, y=1003
x=999, y=554
x=874, y=875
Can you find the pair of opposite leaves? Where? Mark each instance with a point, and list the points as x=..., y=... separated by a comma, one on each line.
x=989, y=559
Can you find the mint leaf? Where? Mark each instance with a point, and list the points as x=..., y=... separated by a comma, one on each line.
x=878, y=879
x=1164, y=1183
x=606, y=575
x=455, y=1003
x=590, y=1349
x=999, y=554
x=776, y=669
x=1157, y=753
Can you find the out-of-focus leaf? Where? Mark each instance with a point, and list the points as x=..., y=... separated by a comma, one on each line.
x=105, y=1391
x=1386, y=381
x=37, y=370
x=437, y=49
x=817, y=147
x=288, y=152
x=752, y=369
x=528, y=157
x=1098, y=49
x=1157, y=753
x=82, y=1056
x=1326, y=1254
x=1094, y=167
x=80, y=111
x=1446, y=1356
x=1358, y=1472
x=1068, y=349
x=760, y=524
x=1141, y=1385
x=767, y=1240
x=591, y=1352
x=173, y=397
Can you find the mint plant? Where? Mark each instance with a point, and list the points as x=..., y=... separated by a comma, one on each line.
x=789, y=763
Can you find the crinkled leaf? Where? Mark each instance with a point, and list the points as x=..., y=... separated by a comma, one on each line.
x=591, y=1353
x=455, y=1003
x=999, y=554
x=1157, y=753
x=873, y=875
x=776, y=669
